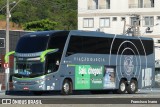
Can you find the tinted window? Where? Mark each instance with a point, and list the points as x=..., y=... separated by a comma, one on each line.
x=52, y=62
x=92, y=45
x=134, y=47
x=101, y=45
x=75, y=45
x=58, y=40
x=148, y=46
x=96, y=45
x=119, y=47
x=30, y=44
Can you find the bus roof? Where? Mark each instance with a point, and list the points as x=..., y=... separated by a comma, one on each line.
x=44, y=33
x=102, y=34
x=86, y=33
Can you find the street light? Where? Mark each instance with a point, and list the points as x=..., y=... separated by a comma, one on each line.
x=14, y=2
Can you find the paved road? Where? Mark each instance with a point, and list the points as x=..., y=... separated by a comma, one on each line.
x=79, y=99
x=147, y=93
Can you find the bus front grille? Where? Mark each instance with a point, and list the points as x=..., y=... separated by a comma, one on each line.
x=26, y=83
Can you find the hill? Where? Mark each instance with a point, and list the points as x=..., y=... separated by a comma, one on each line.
x=62, y=12
x=13, y=26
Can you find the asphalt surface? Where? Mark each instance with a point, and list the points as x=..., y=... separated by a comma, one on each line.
x=147, y=93
x=143, y=93
x=143, y=98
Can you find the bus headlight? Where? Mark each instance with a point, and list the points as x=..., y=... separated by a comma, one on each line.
x=41, y=81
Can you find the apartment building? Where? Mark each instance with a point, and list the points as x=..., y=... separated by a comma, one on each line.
x=130, y=17
x=121, y=16
x=116, y=16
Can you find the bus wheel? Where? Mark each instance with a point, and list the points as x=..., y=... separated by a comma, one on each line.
x=122, y=87
x=67, y=87
x=132, y=87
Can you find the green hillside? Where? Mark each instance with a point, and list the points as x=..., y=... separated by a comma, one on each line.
x=63, y=13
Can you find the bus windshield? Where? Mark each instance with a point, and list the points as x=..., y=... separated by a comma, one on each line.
x=31, y=44
x=29, y=69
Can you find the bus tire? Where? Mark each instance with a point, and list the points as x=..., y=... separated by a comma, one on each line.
x=66, y=87
x=132, y=87
x=122, y=87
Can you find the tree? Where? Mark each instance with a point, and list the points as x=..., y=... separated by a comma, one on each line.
x=63, y=12
x=3, y=8
x=40, y=25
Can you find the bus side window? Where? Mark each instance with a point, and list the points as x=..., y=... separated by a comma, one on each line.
x=75, y=45
x=52, y=63
x=52, y=67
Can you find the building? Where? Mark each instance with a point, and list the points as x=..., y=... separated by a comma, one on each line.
x=122, y=16
x=130, y=17
x=116, y=16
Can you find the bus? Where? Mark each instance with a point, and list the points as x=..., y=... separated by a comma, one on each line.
x=73, y=60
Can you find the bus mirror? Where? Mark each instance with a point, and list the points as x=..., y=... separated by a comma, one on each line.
x=6, y=58
x=48, y=51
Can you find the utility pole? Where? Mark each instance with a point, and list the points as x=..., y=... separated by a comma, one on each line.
x=7, y=44
x=124, y=27
x=7, y=27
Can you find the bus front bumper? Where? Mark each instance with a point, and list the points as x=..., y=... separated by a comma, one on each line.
x=36, y=87
x=37, y=84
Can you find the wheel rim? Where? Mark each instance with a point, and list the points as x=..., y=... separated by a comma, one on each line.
x=122, y=86
x=66, y=87
x=133, y=86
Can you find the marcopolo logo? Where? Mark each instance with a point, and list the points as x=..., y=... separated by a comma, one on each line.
x=128, y=64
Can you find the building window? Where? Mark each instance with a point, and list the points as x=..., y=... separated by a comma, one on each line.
x=98, y=4
x=114, y=19
x=134, y=21
x=88, y=22
x=92, y=4
x=141, y=3
x=123, y=18
x=158, y=17
x=2, y=43
x=104, y=22
x=149, y=21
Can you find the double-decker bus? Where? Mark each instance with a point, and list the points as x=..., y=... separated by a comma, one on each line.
x=82, y=60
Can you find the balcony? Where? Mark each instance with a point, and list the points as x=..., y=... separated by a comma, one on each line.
x=94, y=7
x=141, y=5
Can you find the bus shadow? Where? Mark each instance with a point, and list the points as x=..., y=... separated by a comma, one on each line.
x=50, y=93
x=58, y=93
